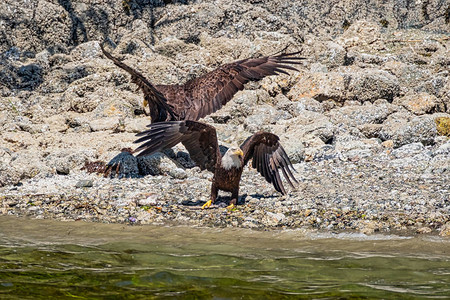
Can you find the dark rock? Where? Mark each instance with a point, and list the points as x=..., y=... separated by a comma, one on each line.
x=124, y=164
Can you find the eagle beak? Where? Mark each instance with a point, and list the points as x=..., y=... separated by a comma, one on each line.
x=239, y=153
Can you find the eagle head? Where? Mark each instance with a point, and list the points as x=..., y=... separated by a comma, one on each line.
x=233, y=158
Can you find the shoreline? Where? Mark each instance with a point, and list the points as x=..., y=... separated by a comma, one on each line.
x=67, y=231
x=354, y=200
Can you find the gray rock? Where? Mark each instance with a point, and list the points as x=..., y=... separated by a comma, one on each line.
x=309, y=124
x=436, y=85
x=177, y=173
x=88, y=50
x=366, y=58
x=420, y=104
x=149, y=201
x=81, y=96
x=294, y=148
x=84, y=183
x=408, y=150
x=57, y=123
x=25, y=124
x=356, y=148
x=320, y=86
x=318, y=68
x=160, y=164
x=78, y=124
x=410, y=75
x=136, y=125
x=349, y=83
x=310, y=129
x=62, y=170
x=361, y=114
x=370, y=130
x=241, y=106
x=242, y=19
x=106, y=124
x=273, y=219
x=4, y=118
x=444, y=94
x=65, y=160
x=419, y=161
x=7, y=174
x=19, y=166
x=264, y=115
x=332, y=54
x=298, y=107
x=372, y=84
x=438, y=165
x=361, y=34
x=443, y=149
x=404, y=129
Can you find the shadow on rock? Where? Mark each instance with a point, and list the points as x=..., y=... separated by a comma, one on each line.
x=24, y=77
x=77, y=25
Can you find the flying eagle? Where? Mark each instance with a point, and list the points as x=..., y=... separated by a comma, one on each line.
x=200, y=140
x=203, y=95
x=208, y=93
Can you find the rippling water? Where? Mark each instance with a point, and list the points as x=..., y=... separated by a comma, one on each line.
x=42, y=259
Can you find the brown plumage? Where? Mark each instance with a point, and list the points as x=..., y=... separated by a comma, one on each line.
x=200, y=140
x=208, y=93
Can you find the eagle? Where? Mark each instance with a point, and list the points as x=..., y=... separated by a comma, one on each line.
x=206, y=94
x=200, y=96
x=200, y=140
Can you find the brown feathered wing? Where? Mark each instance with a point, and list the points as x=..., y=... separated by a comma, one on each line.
x=199, y=139
x=208, y=93
x=211, y=91
x=269, y=158
x=160, y=108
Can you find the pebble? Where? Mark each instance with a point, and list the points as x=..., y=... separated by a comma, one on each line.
x=84, y=183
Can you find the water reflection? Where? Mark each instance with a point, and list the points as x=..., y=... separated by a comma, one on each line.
x=84, y=260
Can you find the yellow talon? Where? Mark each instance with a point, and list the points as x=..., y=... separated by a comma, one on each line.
x=145, y=103
x=231, y=206
x=207, y=204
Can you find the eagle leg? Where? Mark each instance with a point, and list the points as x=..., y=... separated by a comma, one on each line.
x=207, y=204
x=234, y=199
x=231, y=206
x=214, y=193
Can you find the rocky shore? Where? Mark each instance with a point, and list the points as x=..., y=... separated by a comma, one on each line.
x=366, y=120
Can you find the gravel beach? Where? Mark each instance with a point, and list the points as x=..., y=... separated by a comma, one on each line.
x=365, y=120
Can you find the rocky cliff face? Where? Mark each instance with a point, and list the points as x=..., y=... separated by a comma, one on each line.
x=59, y=25
x=376, y=81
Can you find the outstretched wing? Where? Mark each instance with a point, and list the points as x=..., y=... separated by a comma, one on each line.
x=268, y=158
x=199, y=139
x=214, y=89
x=160, y=109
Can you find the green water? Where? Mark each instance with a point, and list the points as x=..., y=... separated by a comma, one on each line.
x=42, y=259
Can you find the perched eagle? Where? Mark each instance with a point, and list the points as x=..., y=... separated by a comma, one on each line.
x=208, y=93
x=200, y=140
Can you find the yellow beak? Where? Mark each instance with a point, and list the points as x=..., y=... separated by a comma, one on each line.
x=239, y=152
